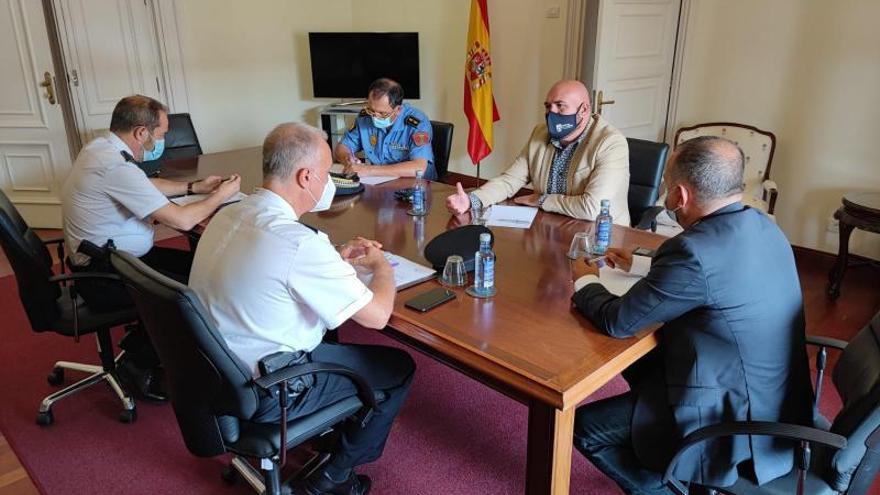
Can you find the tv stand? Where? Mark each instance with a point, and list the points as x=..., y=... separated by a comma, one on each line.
x=336, y=118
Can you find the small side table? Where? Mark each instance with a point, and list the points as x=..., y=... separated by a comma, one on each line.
x=860, y=210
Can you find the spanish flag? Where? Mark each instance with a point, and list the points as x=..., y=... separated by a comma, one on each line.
x=479, y=102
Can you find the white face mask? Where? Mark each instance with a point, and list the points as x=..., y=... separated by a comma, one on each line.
x=327, y=194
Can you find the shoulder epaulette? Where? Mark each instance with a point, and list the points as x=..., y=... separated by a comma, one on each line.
x=412, y=121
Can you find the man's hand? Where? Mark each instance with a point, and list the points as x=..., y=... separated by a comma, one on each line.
x=357, y=248
x=581, y=267
x=354, y=168
x=459, y=202
x=229, y=187
x=618, y=258
x=207, y=185
x=528, y=200
x=373, y=260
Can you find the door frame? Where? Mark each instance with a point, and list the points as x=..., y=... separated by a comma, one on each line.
x=573, y=59
x=165, y=14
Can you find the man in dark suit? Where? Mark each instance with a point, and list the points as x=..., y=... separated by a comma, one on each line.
x=731, y=347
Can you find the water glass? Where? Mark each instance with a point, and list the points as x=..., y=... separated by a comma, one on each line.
x=454, y=273
x=580, y=246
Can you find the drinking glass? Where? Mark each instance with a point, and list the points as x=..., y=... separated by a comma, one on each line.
x=580, y=246
x=454, y=273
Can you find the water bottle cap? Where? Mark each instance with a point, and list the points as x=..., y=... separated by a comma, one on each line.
x=485, y=237
x=419, y=174
x=606, y=202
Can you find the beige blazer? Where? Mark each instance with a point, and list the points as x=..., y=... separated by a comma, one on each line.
x=599, y=170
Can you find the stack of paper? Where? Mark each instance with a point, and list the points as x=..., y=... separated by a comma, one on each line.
x=192, y=198
x=618, y=282
x=375, y=180
x=406, y=273
x=518, y=217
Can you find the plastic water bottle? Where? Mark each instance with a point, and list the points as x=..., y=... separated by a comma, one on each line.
x=602, y=235
x=418, y=197
x=484, y=277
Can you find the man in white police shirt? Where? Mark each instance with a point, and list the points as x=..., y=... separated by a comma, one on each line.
x=394, y=136
x=272, y=284
x=108, y=197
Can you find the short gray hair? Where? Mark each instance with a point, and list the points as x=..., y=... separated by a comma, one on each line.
x=290, y=147
x=712, y=165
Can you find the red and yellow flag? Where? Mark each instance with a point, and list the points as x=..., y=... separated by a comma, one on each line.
x=479, y=102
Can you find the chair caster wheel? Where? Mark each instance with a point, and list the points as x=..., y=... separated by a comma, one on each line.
x=56, y=377
x=229, y=475
x=45, y=418
x=128, y=416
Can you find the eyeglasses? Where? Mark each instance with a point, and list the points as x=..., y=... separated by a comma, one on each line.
x=379, y=115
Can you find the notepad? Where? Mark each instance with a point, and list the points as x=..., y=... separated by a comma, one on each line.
x=375, y=180
x=192, y=198
x=518, y=217
x=406, y=272
x=617, y=282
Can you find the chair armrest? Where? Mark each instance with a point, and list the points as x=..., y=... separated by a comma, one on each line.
x=647, y=222
x=763, y=428
x=769, y=186
x=83, y=275
x=821, y=341
x=364, y=391
x=771, y=192
x=54, y=240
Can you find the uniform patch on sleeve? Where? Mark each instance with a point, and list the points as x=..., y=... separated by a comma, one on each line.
x=421, y=138
x=412, y=121
x=353, y=125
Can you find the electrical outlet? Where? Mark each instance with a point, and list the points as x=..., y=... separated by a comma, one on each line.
x=833, y=226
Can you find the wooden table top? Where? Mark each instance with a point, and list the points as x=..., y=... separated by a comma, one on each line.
x=529, y=336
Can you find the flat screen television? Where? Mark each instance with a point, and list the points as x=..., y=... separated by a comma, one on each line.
x=344, y=64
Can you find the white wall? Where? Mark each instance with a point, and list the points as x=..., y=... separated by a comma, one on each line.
x=247, y=64
x=809, y=71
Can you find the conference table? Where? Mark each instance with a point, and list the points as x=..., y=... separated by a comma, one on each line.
x=527, y=342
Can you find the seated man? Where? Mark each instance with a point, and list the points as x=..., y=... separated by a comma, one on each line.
x=574, y=161
x=273, y=284
x=731, y=347
x=108, y=197
x=391, y=133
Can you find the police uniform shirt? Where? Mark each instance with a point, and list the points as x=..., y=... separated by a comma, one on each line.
x=106, y=197
x=269, y=282
x=408, y=138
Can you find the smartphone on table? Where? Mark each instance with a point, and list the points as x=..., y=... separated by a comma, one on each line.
x=430, y=299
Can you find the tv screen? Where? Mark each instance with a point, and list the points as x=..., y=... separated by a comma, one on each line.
x=344, y=64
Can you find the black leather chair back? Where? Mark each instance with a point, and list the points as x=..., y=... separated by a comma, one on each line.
x=441, y=143
x=857, y=379
x=32, y=265
x=209, y=386
x=181, y=139
x=647, y=160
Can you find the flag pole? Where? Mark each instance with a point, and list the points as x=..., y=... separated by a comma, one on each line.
x=478, y=175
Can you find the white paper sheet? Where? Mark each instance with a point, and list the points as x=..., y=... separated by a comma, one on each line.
x=192, y=198
x=618, y=282
x=518, y=217
x=406, y=272
x=375, y=180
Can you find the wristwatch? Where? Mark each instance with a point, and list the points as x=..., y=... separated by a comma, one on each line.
x=541, y=200
x=189, y=188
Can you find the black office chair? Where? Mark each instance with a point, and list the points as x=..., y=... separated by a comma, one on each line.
x=181, y=141
x=214, y=394
x=847, y=457
x=441, y=143
x=647, y=160
x=52, y=305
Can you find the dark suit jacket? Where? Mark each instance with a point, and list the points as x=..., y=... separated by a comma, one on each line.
x=732, y=347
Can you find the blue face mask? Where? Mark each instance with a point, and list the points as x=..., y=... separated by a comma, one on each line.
x=382, y=123
x=559, y=125
x=156, y=152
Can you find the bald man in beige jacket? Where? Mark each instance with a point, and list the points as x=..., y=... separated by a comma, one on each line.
x=571, y=173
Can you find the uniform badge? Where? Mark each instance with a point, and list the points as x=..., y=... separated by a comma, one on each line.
x=421, y=138
x=412, y=121
x=373, y=140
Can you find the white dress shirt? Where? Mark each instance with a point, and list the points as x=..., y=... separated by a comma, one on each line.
x=269, y=282
x=107, y=197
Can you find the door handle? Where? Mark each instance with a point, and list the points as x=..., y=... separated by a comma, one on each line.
x=601, y=102
x=50, y=91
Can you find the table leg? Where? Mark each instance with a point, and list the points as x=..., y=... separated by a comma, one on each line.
x=548, y=462
x=835, y=277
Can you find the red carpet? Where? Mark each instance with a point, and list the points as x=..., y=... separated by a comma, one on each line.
x=454, y=436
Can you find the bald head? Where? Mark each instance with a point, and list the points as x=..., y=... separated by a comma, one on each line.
x=292, y=146
x=565, y=96
x=712, y=166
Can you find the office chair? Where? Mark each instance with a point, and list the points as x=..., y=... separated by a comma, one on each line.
x=214, y=395
x=847, y=455
x=181, y=141
x=52, y=305
x=647, y=160
x=758, y=147
x=441, y=143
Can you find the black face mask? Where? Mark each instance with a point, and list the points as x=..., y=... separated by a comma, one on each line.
x=559, y=126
